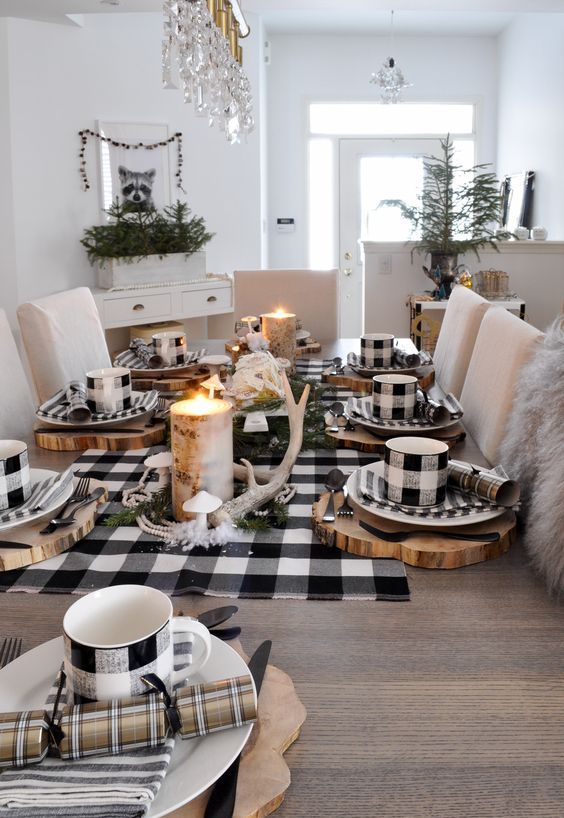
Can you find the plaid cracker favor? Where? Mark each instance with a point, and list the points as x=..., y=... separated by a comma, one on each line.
x=78, y=409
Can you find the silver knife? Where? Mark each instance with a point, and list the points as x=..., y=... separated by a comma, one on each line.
x=222, y=799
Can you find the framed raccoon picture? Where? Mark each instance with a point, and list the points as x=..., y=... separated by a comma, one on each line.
x=134, y=166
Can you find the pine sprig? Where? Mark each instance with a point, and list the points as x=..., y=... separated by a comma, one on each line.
x=135, y=234
x=155, y=508
x=277, y=517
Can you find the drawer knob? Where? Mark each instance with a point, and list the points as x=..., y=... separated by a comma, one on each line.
x=212, y=298
x=139, y=307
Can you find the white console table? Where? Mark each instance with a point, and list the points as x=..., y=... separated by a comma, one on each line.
x=123, y=308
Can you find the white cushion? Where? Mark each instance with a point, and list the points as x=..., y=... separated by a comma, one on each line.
x=16, y=405
x=457, y=337
x=311, y=294
x=63, y=339
x=503, y=345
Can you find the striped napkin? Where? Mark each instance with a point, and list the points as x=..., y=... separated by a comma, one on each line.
x=131, y=360
x=78, y=410
x=57, y=407
x=457, y=504
x=399, y=361
x=44, y=494
x=121, y=786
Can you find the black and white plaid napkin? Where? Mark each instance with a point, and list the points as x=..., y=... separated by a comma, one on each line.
x=370, y=487
x=131, y=360
x=44, y=494
x=56, y=408
x=96, y=787
x=397, y=365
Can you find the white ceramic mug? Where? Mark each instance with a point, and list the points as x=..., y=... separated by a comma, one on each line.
x=15, y=480
x=116, y=635
x=108, y=389
x=415, y=471
x=171, y=346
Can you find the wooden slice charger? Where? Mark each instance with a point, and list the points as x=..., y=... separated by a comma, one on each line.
x=24, y=544
x=170, y=383
x=423, y=551
x=364, y=441
x=264, y=776
x=311, y=347
x=130, y=435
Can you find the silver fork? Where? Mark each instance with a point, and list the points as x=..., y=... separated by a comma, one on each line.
x=81, y=491
x=345, y=509
x=10, y=649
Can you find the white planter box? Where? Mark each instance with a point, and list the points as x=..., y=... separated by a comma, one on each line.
x=152, y=270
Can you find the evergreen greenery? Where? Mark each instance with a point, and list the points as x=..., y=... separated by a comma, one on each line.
x=454, y=218
x=134, y=234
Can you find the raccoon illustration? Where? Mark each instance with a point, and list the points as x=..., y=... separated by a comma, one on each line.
x=137, y=187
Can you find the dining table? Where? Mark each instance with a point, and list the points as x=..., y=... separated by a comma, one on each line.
x=450, y=705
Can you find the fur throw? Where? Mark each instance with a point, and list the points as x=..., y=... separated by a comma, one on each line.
x=533, y=453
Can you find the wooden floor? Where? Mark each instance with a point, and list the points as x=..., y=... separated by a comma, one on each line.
x=451, y=705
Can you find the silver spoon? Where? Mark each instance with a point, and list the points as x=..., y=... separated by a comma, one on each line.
x=337, y=409
x=334, y=481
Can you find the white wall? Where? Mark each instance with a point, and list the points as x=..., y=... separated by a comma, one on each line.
x=536, y=274
x=8, y=273
x=63, y=78
x=307, y=68
x=531, y=114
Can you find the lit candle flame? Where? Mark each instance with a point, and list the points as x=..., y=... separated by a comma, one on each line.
x=200, y=405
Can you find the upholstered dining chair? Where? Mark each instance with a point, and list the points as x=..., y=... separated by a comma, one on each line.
x=457, y=337
x=63, y=339
x=16, y=404
x=504, y=344
x=311, y=294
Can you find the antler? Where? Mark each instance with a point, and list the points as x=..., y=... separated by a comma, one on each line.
x=257, y=495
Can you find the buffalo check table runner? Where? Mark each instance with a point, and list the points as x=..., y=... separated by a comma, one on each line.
x=286, y=562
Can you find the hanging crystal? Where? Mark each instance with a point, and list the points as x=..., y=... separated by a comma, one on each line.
x=210, y=76
x=391, y=81
x=390, y=78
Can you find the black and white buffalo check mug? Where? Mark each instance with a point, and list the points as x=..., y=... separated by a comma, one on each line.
x=394, y=396
x=171, y=346
x=109, y=389
x=415, y=471
x=376, y=349
x=15, y=480
x=115, y=636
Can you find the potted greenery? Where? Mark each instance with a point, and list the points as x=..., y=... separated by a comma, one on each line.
x=453, y=216
x=147, y=246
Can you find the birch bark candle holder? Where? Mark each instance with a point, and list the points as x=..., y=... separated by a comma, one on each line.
x=202, y=450
x=279, y=329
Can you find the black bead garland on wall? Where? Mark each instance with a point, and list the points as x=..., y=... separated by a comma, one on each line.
x=84, y=134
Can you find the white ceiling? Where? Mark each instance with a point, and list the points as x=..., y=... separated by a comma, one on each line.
x=411, y=17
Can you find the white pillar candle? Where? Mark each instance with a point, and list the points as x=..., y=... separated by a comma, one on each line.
x=279, y=329
x=202, y=450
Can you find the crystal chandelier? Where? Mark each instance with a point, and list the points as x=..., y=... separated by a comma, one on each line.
x=201, y=47
x=390, y=78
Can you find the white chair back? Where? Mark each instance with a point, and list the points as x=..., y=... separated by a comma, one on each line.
x=311, y=294
x=457, y=337
x=16, y=405
x=504, y=345
x=63, y=339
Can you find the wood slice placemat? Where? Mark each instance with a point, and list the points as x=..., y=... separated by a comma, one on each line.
x=422, y=551
x=364, y=441
x=171, y=383
x=264, y=776
x=312, y=347
x=351, y=380
x=139, y=436
x=27, y=545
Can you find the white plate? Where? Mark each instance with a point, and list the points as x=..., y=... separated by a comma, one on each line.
x=393, y=426
x=195, y=764
x=302, y=334
x=400, y=517
x=36, y=476
x=95, y=424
